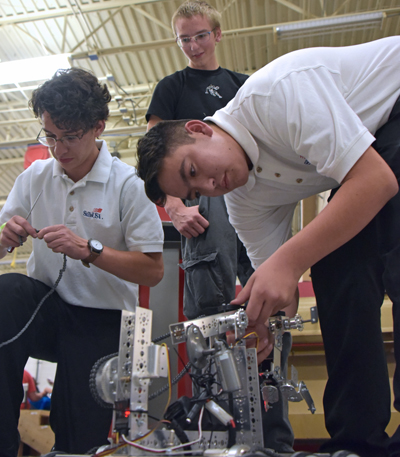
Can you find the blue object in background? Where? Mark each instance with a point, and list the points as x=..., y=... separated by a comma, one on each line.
x=43, y=403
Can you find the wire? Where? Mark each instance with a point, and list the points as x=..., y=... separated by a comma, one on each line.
x=252, y=334
x=177, y=378
x=110, y=450
x=11, y=340
x=14, y=260
x=172, y=448
x=162, y=337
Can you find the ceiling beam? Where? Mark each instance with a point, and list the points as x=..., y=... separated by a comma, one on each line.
x=66, y=11
x=233, y=33
x=293, y=7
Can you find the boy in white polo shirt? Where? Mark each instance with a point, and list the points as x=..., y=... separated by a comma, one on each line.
x=302, y=125
x=92, y=212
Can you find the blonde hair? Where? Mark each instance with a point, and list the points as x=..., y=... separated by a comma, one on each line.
x=189, y=9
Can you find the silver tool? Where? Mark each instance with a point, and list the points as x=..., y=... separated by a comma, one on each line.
x=11, y=248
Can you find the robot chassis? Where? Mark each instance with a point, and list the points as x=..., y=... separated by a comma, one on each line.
x=123, y=381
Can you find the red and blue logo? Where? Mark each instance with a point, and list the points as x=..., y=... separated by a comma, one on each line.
x=95, y=214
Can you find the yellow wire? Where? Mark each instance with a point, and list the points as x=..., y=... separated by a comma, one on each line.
x=109, y=451
x=14, y=260
x=253, y=333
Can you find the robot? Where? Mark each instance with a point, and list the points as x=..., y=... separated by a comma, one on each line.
x=223, y=417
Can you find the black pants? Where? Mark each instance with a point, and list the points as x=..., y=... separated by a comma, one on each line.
x=75, y=337
x=349, y=285
x=277, y=430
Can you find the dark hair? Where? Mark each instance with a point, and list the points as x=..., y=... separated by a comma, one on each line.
x=74, y=99
x=159, y=142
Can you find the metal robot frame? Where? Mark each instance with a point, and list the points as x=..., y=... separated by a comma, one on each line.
x=234, y=403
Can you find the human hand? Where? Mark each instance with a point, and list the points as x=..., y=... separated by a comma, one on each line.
x=16, y=231
x=61, y=239
x=188, y=221
x=47, y=390
x=257, y=336
x=263, y=340
x=271, y=288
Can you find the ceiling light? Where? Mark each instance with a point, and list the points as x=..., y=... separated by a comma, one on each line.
x=35, y=69
x=329, y=25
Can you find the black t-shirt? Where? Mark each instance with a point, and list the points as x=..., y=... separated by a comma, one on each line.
x=210, y=260
x=194, y=94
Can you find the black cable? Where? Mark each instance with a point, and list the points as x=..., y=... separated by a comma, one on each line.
x=173, y=382
x=11, y=340
x=162, y=337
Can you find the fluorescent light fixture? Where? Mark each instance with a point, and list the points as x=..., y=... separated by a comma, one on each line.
x=329, y=25
x=35, y=69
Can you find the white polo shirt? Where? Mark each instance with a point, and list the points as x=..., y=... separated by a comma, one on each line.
x=109, y=204
x=304, y=120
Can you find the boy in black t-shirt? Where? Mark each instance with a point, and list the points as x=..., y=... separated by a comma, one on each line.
x=212, y=254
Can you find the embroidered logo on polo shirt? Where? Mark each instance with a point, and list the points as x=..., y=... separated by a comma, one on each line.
x=213, y=90
x=306, y=162
x=95, y=214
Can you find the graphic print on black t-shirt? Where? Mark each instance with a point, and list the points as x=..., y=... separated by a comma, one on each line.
x=213, y=90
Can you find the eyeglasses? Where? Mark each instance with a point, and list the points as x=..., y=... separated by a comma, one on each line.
x=201, y=38
x=67, y=140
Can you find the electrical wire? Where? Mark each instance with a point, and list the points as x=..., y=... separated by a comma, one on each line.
x=177, y=378
x=114, y=448
x=253, y=334
x=172, y=448
x=109, y=450
x=11, y=340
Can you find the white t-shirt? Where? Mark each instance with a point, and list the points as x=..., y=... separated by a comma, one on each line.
x=304, y=120
x=109, y=204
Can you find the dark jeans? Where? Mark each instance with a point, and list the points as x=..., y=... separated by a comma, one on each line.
x=75, y=337
x=212, y=261
x=349, y=285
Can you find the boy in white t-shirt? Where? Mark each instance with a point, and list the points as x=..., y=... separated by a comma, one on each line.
x=302, y=125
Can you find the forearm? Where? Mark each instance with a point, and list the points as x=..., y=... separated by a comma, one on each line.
x=146, y=269
x=36, y=396
x=291, y=309
x=173, y=205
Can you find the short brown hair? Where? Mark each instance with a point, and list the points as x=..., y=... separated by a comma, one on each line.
x=189, y=9
x=159, y=142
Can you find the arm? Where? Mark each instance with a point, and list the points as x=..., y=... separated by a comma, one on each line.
x=138, y=267
x=364, y=191
x=36, y=396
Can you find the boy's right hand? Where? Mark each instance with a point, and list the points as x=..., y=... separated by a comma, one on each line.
x=16, y=230
x=187, y=220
